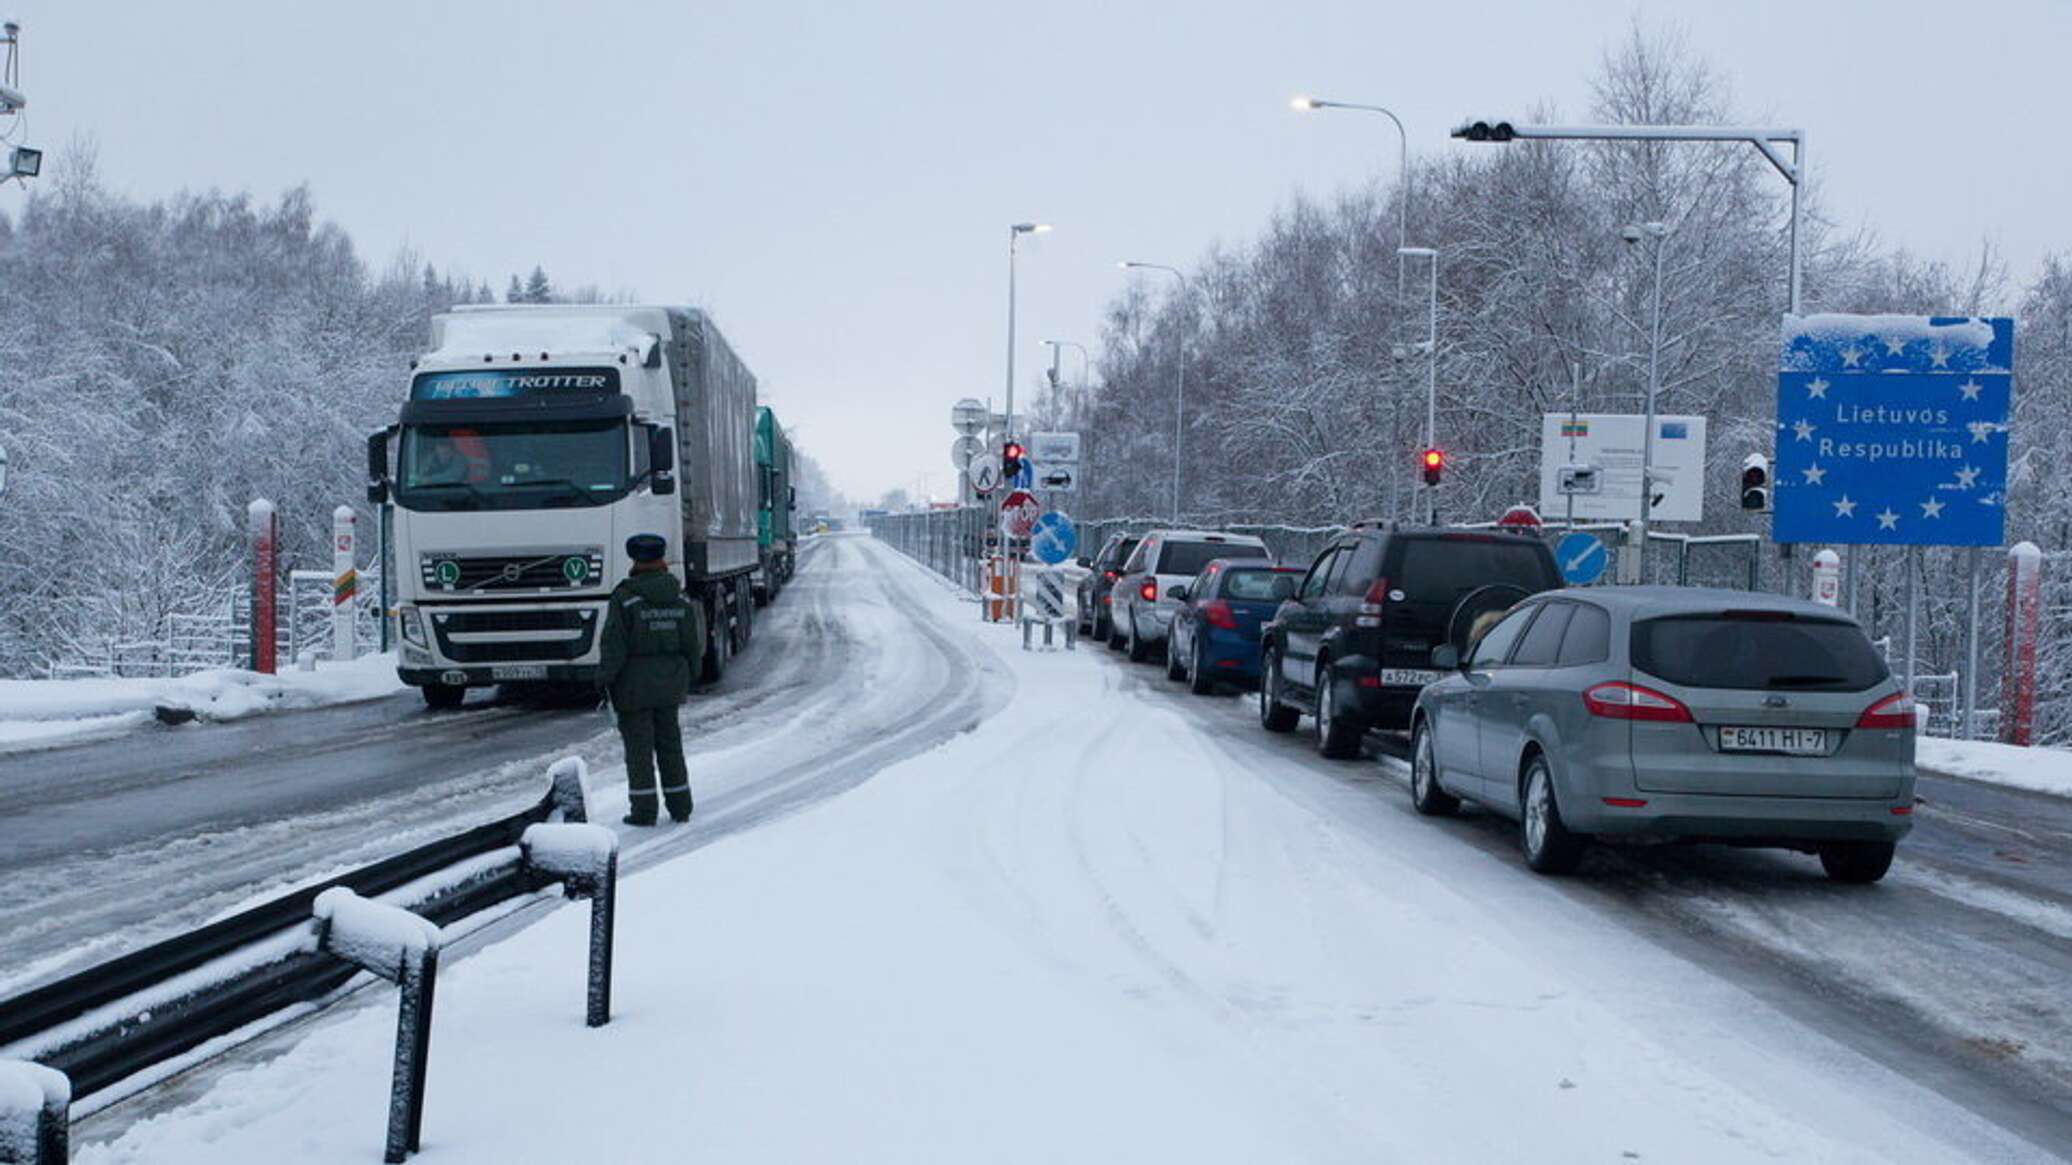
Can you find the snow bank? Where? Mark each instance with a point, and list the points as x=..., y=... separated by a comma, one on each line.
x=372, y=934
x=475, y=334
x=1974, y=333
x=40, y=712
x=2038, y=770
x=570, y=851
x=27, y=1091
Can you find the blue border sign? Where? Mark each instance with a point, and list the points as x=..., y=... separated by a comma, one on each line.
x=1053, y=538
x=1893, y=430
x=1582, y=558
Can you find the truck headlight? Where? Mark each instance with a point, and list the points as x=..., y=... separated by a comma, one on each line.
x=413, y=626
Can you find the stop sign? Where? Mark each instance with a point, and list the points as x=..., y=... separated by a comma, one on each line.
x=1018, y=513
x=1524, y=519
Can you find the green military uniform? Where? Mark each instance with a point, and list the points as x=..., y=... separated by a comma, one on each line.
x=654, y=642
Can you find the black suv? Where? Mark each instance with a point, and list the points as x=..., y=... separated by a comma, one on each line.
x=1094, y=590
x=1354, y=646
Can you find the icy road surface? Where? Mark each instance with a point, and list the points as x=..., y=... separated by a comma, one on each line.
x=106, y=846
x=1118, y=923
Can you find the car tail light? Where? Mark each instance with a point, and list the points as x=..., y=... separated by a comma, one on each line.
x=1894, y=711
x=1902, y=810
x=1626, y=802
x=1217, y=613
x=1110, y=575
x=1623, y=701
x=1372, y=604
x=1149, y=590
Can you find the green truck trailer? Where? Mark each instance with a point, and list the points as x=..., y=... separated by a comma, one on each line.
x=776, y=531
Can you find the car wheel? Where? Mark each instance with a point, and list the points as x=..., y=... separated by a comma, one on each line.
x=444, y=697
x=1115, y=639
x=1176, y=664
x=1200, y=680
x=1338, y=731
x=1549, y=847
x=1139, y=651
x=1858, y=863
x=1274, y=716
x=1425, y=794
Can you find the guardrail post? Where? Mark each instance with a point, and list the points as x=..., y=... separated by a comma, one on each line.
x=585, y=860
x=404, y=949
x=35, y=1114
x=2024, y=614
x=566, y=793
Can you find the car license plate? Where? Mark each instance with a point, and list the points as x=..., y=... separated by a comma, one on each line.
x=1407, y=677
x=519, y=671
x=1797, y=741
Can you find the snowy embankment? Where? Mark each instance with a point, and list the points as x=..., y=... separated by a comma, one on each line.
x=2038, y=770
x=36, y=713
x=1087, y=931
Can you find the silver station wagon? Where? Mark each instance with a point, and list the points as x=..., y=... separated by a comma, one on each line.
x=1653, y=713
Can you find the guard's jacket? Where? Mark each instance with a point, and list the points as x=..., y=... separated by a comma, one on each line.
x=654, y=642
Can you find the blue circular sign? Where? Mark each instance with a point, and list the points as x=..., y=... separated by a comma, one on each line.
x=1053, y=538
x=1582, y=558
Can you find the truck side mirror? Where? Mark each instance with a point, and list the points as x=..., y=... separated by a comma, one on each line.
x=377, y=466
x=662, y=459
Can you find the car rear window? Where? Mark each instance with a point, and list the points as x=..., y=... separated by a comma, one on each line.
x=1441, y=570
x=1274, y=585
x=1189, y=557
x=1758, y=650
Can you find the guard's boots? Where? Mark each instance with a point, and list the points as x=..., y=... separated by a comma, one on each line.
x=678, y=798
x=643, y=809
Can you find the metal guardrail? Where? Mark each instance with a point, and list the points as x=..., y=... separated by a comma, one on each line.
x=112, y=1021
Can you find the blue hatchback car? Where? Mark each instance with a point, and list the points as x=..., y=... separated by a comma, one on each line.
x=1215, y=635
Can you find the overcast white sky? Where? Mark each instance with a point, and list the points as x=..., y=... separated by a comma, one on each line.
x=834, y=182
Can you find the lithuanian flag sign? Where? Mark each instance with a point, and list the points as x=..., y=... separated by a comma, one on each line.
x=1575, y=428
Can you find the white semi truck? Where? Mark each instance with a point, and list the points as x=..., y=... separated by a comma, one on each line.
x=535, y=440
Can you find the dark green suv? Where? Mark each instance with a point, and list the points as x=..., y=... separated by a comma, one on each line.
x=1354, y=646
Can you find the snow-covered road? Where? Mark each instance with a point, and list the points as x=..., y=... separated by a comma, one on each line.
x=1120, y=923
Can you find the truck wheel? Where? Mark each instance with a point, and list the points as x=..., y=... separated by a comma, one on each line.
x=444, y=697
x=744, y=618
x=716, y=645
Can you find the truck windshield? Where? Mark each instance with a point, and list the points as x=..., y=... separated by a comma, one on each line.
x=527, y=466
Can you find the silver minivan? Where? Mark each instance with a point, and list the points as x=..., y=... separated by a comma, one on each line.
x=1143, y=607
x=1673, y=713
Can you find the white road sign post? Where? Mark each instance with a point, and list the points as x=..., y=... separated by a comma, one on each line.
x=1599, y=456
x=345, y=583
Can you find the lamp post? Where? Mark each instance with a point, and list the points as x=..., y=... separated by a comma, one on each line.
x=1014, y=238
x=1086, y=362
x=1180, y=390
x=1630, y=564
x=1431, y=364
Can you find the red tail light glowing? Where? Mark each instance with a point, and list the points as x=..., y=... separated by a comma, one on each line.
x=1217, y=613
x=1149, y=590
x=1894, y=711
x=1623, y=701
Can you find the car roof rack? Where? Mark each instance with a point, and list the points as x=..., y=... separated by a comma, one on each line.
x=1376, y=524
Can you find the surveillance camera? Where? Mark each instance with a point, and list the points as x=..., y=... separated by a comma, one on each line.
x=1631, y=234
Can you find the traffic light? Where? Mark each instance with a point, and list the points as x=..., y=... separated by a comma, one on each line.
x=1010, y=460
x=1434, y=462
x=1755, y=482
x=1485, y=129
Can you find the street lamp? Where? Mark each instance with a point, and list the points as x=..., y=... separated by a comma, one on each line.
x=1014, y=237
x=1179, y=392
x=1630, y=564
x=1403, y=163
x=1768, y=141
x=1431, y=363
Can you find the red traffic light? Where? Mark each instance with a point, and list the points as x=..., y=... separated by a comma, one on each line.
x=1012, y=451
x=1434, y=462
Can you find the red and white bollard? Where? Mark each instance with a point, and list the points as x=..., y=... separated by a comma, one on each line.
x=2024, y=615
x=263, y=526
x=345, y=583
x=1827, y=579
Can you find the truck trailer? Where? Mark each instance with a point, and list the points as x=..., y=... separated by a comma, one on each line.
x=776, y=537
x=534, y=441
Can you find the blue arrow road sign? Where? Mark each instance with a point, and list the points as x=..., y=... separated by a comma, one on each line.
x=1582, y=558
x=1053, y=539
x=1893, y=430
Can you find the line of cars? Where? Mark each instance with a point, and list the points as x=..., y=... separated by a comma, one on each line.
x=1627, y=714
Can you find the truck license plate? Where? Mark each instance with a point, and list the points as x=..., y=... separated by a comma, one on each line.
x=519, y=671
x=1796, y=741
x=1407, y=677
